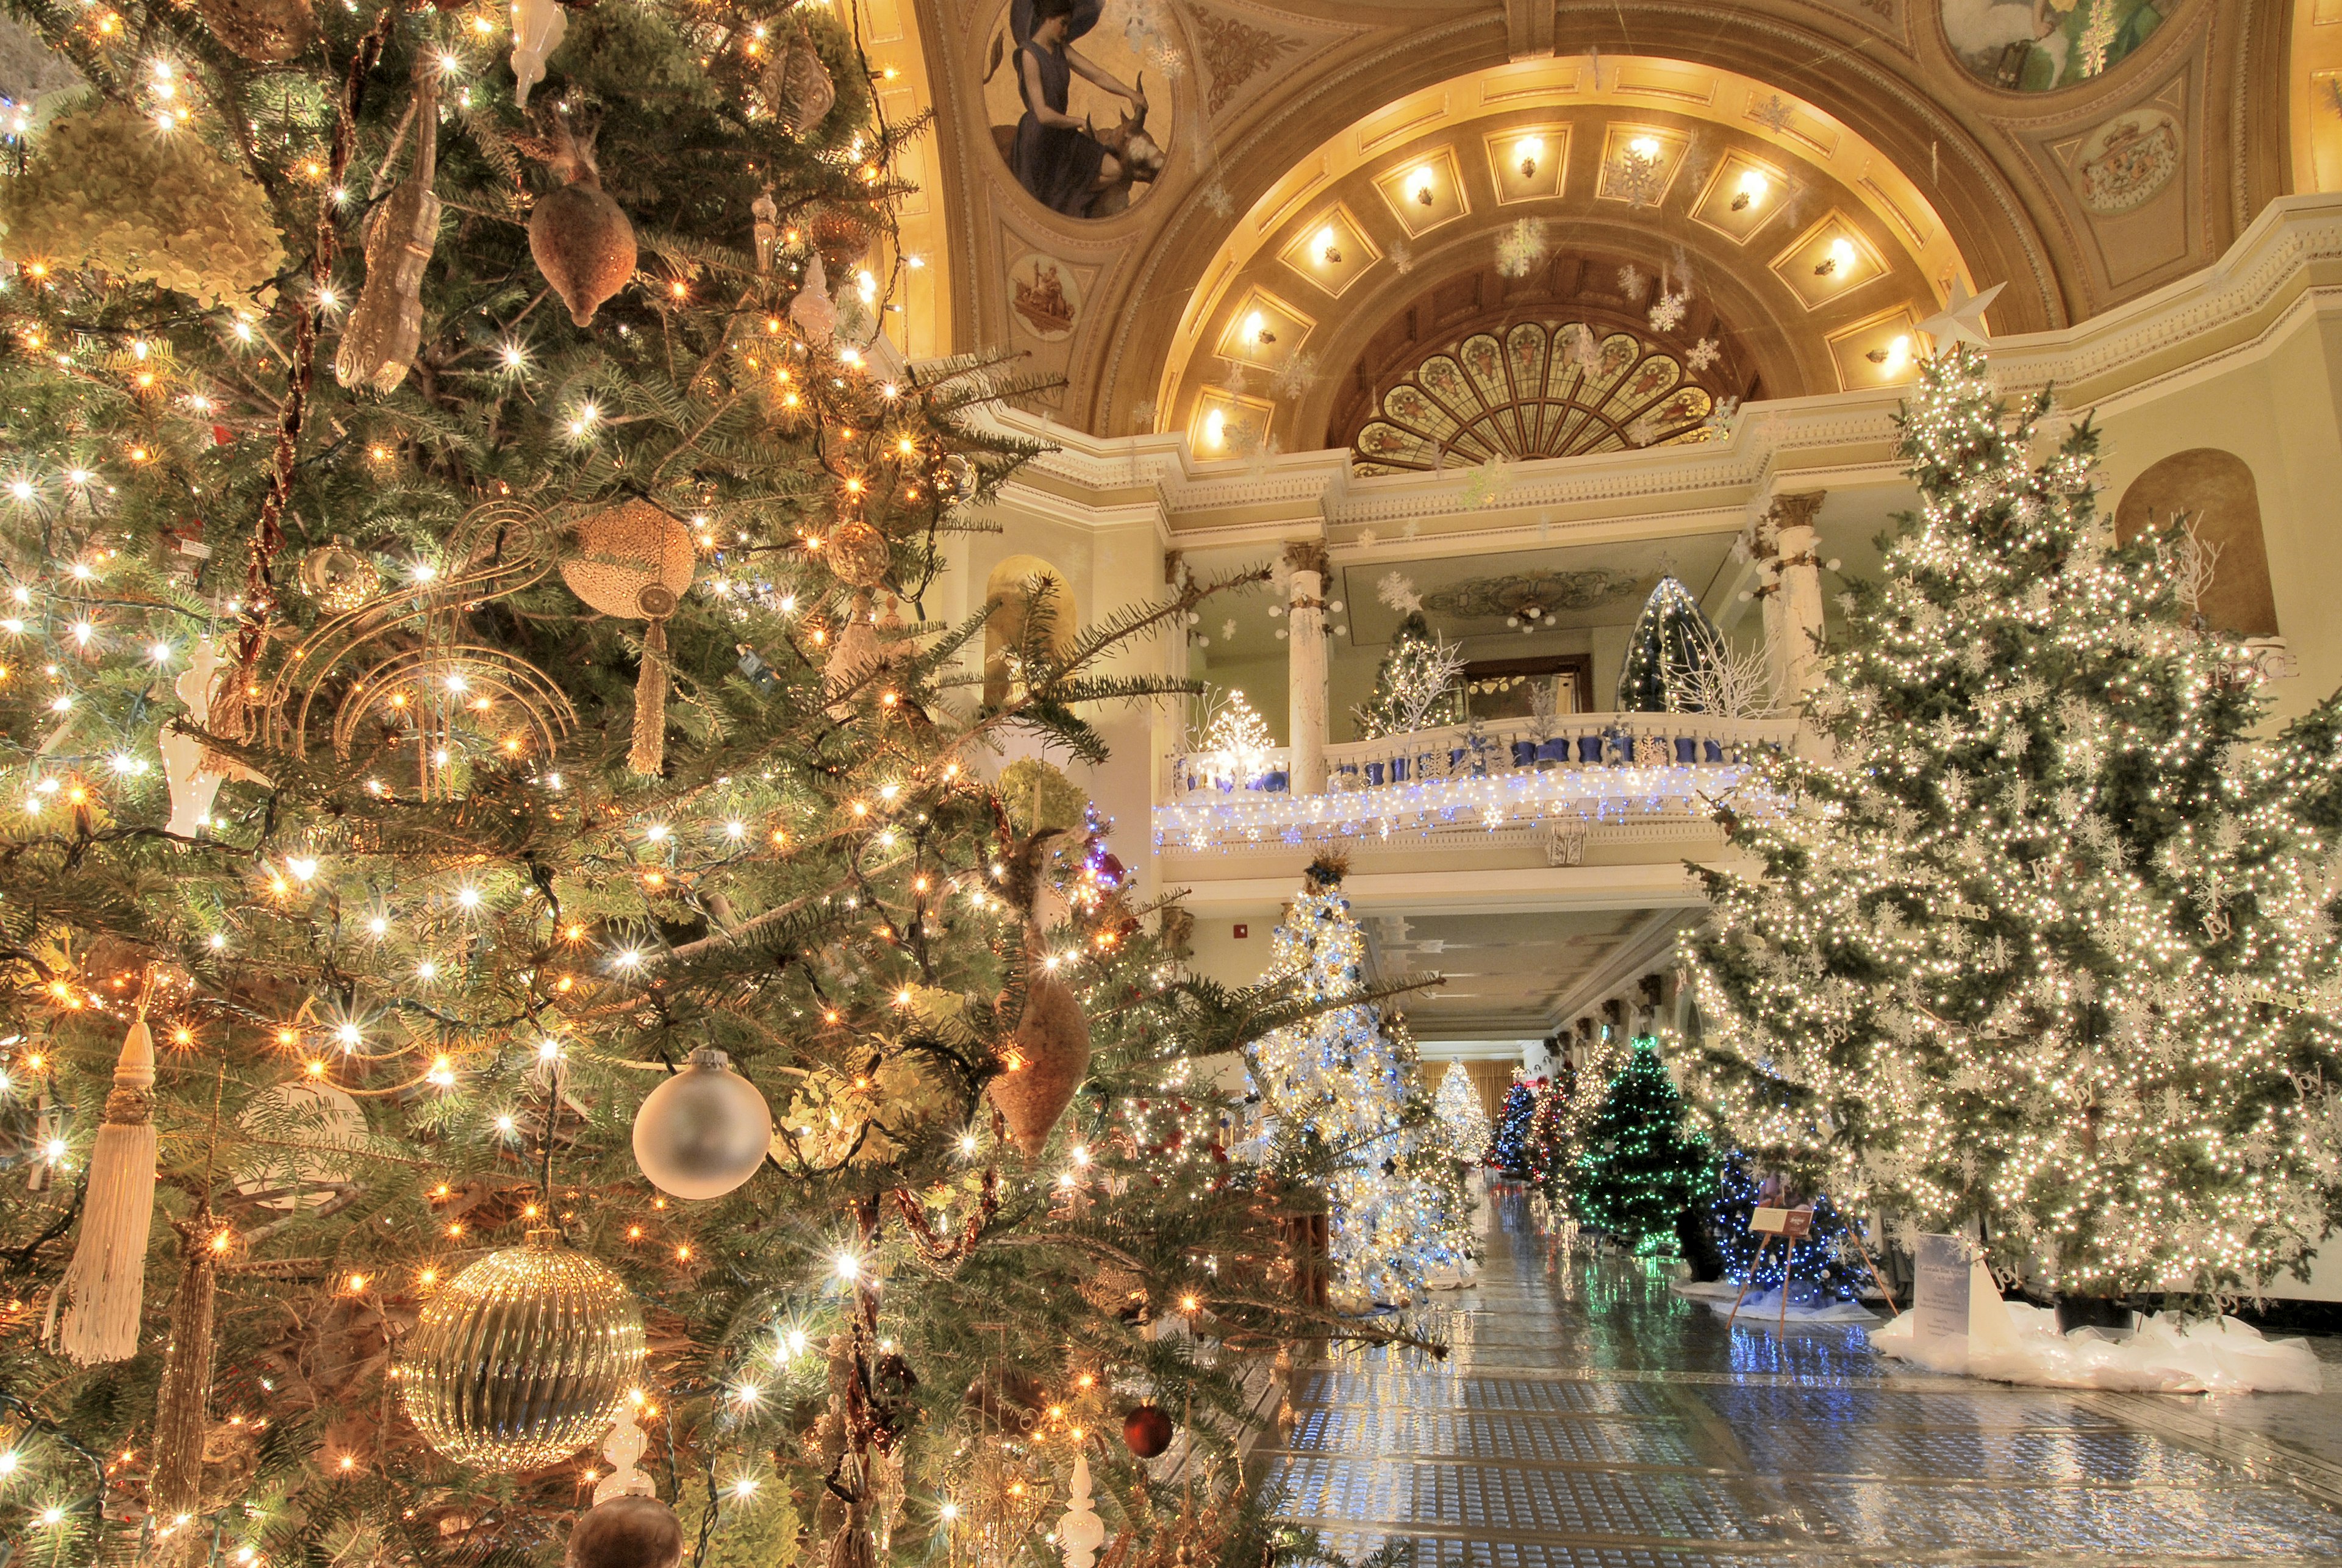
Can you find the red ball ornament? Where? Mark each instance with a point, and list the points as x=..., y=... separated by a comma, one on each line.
x=1147, y=1430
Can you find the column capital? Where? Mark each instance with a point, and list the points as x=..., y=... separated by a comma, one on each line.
x=1794, y=511
x=1308, y=555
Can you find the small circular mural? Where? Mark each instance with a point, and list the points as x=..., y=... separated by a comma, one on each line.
x=2041, y=45
x=1077, y=114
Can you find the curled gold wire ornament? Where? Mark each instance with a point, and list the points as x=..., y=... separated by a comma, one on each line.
x=499, y=549
x=525, y=1358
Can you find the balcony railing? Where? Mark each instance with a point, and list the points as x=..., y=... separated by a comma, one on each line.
x=1581, y=768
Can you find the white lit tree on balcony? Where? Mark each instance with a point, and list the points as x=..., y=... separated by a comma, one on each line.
x=1417, y=685
x=1343, y=1089
x=2046, y=951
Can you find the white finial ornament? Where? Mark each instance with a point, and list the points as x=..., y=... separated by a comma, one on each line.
x=538, y=26
x=1081, y=1532
x=1962, y=321
x=191, y=789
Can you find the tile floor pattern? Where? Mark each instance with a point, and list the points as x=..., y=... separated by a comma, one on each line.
x=1586, y=1418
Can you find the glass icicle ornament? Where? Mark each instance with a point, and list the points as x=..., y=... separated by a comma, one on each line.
x=525, y=1358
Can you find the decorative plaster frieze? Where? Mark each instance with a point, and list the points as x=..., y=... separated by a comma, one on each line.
x=1205, y=503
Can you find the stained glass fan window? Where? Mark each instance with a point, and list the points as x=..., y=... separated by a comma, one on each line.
x=1547, y=389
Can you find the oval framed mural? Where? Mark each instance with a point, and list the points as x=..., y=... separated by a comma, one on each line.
x=1079, y=102
x=2042, y=45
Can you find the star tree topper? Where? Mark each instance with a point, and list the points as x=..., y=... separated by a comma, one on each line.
x=1962, y=321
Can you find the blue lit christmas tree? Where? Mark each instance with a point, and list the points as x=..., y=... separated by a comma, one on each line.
x=1822, y=1264
x=1509, y=1149
x=1343, y=1090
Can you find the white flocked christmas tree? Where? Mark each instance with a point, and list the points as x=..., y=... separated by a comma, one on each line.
x=1462, y=1117
x=2043, y=951
x=1346, y=1083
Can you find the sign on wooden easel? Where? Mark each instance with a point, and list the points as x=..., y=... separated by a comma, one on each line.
x=1792, y=1224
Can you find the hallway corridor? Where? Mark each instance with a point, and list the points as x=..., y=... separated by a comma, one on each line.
x=1586, y=1417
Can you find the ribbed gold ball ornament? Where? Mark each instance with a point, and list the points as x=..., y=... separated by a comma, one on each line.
x=524, y=1358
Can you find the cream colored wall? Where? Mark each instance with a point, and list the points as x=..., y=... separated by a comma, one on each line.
x=2281, y=412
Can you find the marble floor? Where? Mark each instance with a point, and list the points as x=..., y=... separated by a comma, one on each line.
x=1584, y=1417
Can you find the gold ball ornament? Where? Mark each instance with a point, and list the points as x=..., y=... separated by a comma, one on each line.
x=524, y=1358
x=338, y=578
x=859, y=555
x=1048, y=1062
x=628, y=551
x=265, y=32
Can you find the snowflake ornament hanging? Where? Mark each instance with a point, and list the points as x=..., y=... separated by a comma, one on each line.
x=1634, y=283
x=1703, y=354
x=1667, y=311
x=1397, y=589
x=1294, y=376
x=1520, y=248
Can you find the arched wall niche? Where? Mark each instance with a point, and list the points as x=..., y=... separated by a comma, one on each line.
x=1027, y=602
x=2215, y=491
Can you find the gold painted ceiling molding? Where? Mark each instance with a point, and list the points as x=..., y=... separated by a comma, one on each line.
x=1439, y=174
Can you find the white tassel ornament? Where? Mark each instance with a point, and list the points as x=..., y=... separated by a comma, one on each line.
x=105, y=1285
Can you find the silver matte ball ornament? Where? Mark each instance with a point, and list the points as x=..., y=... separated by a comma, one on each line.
x=704, y=1131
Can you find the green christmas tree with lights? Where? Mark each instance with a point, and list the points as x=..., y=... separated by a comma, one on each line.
x=1671, y=642
x=2045, y=947
x=1638, y=1171
x=1344, y=1093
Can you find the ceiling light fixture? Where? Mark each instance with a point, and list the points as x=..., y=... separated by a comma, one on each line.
x=1754, y=188
x=1840, y=259
x=1329, y=246
x=1529, y=149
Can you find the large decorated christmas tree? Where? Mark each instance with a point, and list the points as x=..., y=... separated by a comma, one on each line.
x=2044, y=950
x=495, y=879
x=1639, y=1172
x=1343, y=1090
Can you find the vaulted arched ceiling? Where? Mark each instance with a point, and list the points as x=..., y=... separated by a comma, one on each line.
x=2124, y=148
